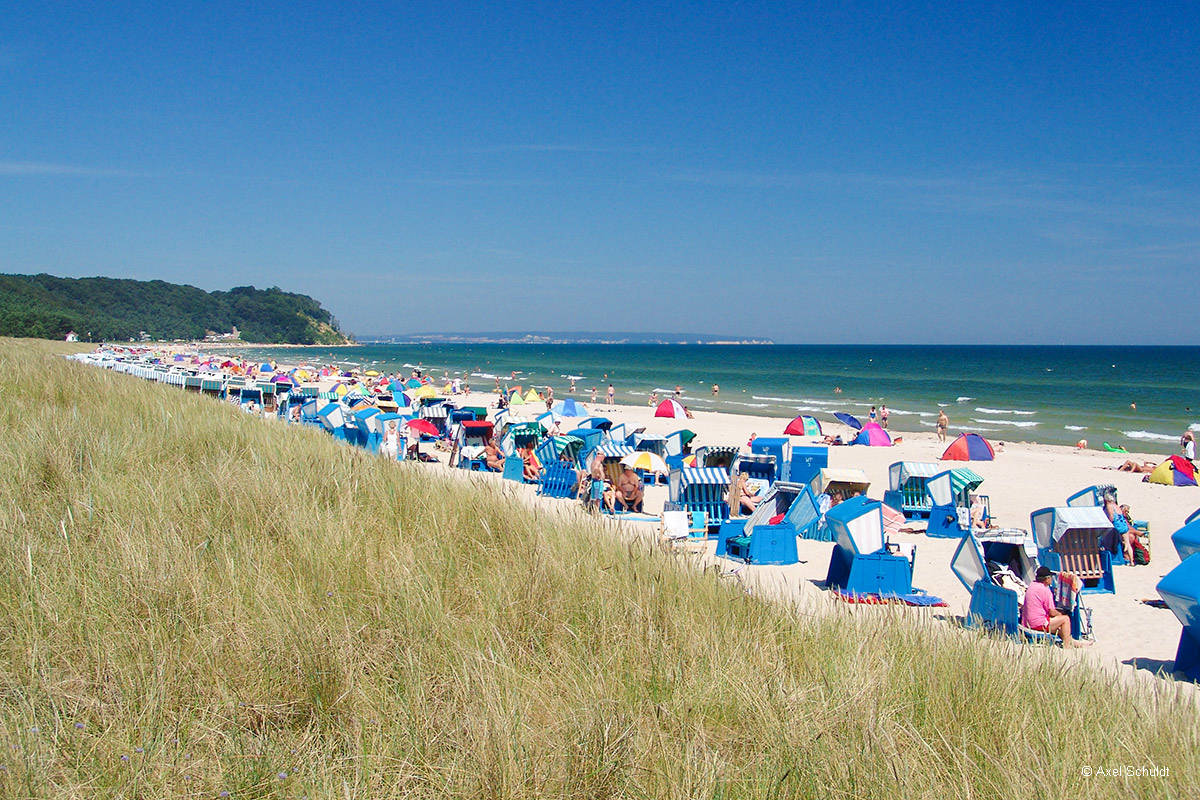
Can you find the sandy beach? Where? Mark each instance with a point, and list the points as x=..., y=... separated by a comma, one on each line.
x=1130, y=636
x=1024, y=477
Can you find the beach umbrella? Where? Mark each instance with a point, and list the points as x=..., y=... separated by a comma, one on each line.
x=341, y=389
x=281, y=378
x=645, y=460
x=422, y=426
x=423, y=392
x=266, y=366
x=516, y=399
x=532, y=396
x=371, y=372
x=848, y=419
x=803, y=425
x=689, y=461
x=569, y=408
x=413, y=383
x=670, y=408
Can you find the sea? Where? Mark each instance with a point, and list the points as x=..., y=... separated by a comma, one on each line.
x=1141, y=398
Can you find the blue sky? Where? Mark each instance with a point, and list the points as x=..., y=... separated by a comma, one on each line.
x=855, y=173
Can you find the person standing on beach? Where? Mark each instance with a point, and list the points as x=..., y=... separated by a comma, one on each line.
x=943, y=422
x=593, y=395
x=611, y=394
x=883, y=417
x=1188, y=445
x=872, y=414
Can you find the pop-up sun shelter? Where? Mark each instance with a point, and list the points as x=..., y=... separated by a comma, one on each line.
x=1068, y=540
x=951, y=496
x=906, y=487
x=768, y=536
x=872, y=435
x=803, y=425
x=969, y=447
x=670, y=408
x=1175, y=471
x=863, y=563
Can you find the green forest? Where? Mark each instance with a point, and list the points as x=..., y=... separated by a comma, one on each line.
x=48, y=307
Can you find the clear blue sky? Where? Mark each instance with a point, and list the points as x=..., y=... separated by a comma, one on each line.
x=1021, y=172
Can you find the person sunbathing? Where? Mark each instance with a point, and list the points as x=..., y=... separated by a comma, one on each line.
x=629, y=493
x=492, y=456
x=833, y=440
x=747, y=495
x=1134, y=466
x=533, y=470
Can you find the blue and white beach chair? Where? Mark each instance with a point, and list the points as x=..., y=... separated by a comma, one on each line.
x=951, y=496
x=755, y=540
x=1068, y=540
x=863, y=561
x=701, y=489
x=906, y=487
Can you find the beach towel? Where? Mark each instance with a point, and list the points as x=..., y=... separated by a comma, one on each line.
x=916, y=598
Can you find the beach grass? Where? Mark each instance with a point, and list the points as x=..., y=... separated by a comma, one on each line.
x=194, y=602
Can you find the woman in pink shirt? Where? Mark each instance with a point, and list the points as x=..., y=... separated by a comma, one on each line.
x=1038, y=612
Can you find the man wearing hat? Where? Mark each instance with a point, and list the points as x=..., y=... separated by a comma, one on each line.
x=1038, y=612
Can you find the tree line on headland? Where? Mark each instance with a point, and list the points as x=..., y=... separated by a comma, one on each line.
x=49, y=307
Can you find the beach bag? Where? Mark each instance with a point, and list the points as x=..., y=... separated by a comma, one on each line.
x=1141, y=556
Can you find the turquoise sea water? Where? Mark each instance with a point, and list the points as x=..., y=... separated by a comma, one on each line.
x=1054, y=395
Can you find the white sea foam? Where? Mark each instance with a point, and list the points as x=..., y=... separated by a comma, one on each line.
x=1004, y=411
x=1075, y=427
x=1195, y=426
x=1016, y=423
x=903, y=412
x=487, y=375
x=963, y=399
x=1150, y=436
x=976, y=428
x=748, y=405
x=783, y=399
x=812, y=409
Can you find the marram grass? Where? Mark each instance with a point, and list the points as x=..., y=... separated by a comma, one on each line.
x=193, y=602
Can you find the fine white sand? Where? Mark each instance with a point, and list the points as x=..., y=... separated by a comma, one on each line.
x=1024, y=477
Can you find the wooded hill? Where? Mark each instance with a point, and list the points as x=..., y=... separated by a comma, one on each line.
x=48, y=307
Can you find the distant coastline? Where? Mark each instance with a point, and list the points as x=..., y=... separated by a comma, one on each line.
x=564, y=337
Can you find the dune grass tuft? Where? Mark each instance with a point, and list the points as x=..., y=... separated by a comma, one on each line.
x=195, y=602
